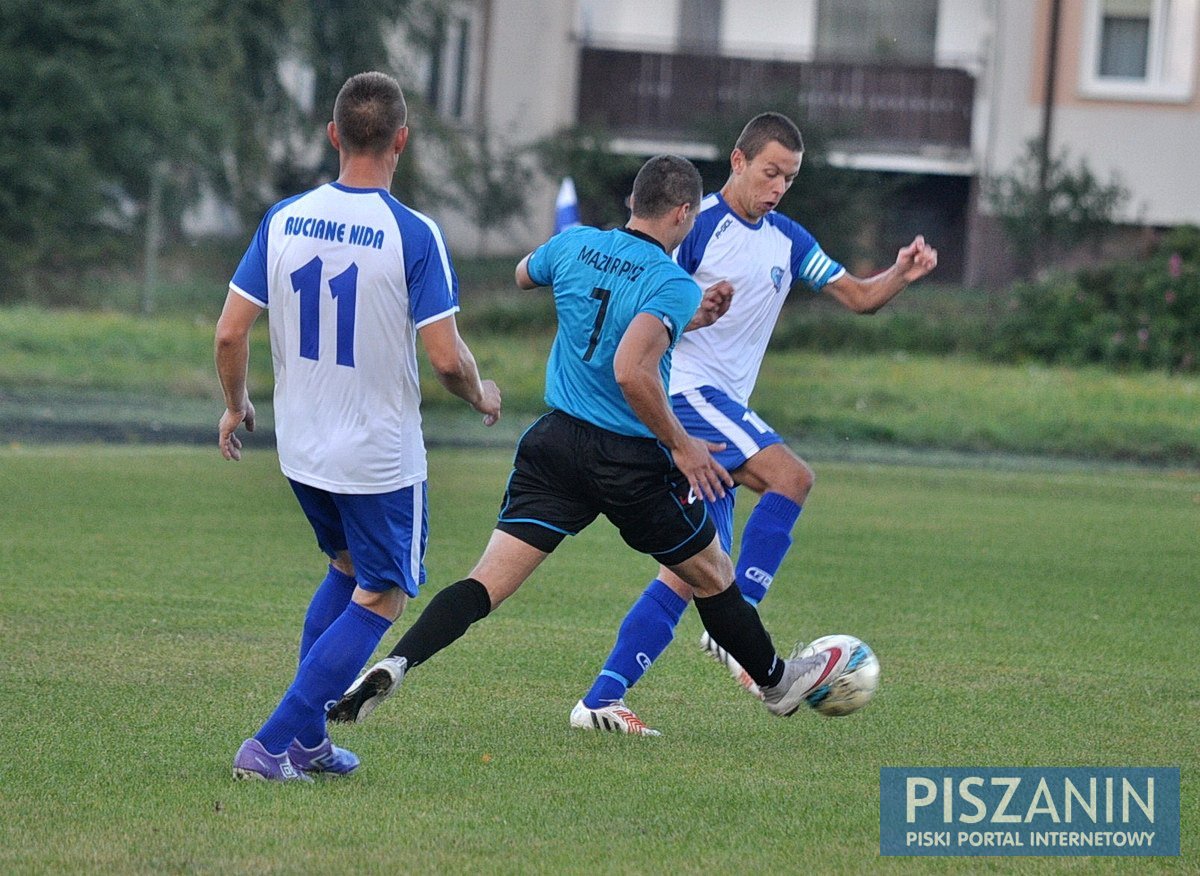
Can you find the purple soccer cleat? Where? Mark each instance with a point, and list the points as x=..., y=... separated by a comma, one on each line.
x=255, y=762
x=325, y=758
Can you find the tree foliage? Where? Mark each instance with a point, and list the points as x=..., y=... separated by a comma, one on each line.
x=603, y=179
x=1046, y=213
x=96, y=93
x=100, y=96
x=335, y=39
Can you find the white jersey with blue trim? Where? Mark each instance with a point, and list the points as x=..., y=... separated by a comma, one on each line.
x=761, y=261
x=349, y=276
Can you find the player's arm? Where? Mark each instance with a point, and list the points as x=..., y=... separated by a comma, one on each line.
x=868, y=295
x=456, y=369
x=524, y=281
x=635, y=367
x=231, y=350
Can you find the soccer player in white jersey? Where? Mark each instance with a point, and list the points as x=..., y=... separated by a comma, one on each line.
x=740, y=238
x=352, y=277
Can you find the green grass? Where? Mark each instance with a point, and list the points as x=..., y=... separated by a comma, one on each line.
x=153, y=599
x=89, y=351
x=61, y=367
x=964, y=404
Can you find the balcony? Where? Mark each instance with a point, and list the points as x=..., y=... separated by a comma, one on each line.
x=862, y=106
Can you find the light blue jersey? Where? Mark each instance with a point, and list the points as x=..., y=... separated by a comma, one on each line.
x=601, y=281
x=762, y=261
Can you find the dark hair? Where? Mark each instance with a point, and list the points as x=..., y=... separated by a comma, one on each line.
x=368, y=112
x=663, y=183
x=766, y=128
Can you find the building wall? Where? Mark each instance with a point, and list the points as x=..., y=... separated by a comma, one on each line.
x=646, y=25
x=964, y=31
x=1145, y=142
x=529, y=87
x=525, y=67
x=774, y=29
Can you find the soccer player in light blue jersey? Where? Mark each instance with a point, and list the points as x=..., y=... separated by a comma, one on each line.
x=738, y=237
x=352, y=278
x=611, y=445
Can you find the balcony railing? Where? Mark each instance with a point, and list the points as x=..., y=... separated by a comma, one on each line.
x=648, y=94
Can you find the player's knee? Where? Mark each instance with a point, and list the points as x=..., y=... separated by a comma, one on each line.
x=676, y=584
x=710, y=573
x=806, y=478
x=343, y=563
x=794, y=480
x=385, y=603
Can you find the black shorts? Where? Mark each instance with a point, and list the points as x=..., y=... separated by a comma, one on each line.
x=567, y=472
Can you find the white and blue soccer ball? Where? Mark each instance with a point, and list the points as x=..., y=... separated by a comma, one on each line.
x=854, y=686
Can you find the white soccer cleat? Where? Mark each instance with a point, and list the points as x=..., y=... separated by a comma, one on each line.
x=368, y=691
x=740, y=675
x=615, y=718
x=803, y=675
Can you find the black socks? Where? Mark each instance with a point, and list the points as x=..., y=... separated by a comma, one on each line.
x=735, y=625
x=444, y=620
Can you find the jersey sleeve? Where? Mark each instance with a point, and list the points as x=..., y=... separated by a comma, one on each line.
x=690, y=253
x=541, y=262
x=675, y=303
x=432, y=282
x=809, y=262
x=250, y=278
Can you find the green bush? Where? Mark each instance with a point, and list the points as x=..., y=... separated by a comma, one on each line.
x=1138, y=314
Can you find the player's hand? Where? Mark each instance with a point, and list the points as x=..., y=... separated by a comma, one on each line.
x=707, y=477
x=713, y=305
x=227, y=440
x=489, y=403
x=916, y=260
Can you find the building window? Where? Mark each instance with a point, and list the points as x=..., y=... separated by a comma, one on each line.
x=1139, y=50
x=700, y=25
x=448, y=80
x=1124, y=39
x=865, y=30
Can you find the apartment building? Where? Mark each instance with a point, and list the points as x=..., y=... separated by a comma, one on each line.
x=944, y=92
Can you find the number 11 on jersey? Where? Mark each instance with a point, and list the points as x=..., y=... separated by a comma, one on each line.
x=344, y=290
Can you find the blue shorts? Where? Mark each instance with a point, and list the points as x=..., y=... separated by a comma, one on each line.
x=708, y=413
x=385, y=533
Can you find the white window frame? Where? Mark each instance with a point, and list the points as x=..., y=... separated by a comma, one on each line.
x=1170, y=62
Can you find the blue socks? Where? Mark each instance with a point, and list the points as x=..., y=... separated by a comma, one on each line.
x=331, y=664
x=646, y=631
x=329, y=601
x=765, y=541
x=650, y=624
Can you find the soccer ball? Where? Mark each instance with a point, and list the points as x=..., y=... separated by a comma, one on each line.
x=854, y=686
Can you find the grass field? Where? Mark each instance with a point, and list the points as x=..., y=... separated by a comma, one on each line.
x=153, y=598
x=82, y=374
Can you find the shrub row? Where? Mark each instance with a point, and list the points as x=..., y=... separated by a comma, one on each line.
x=1137, y=314
x=1141, y=313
